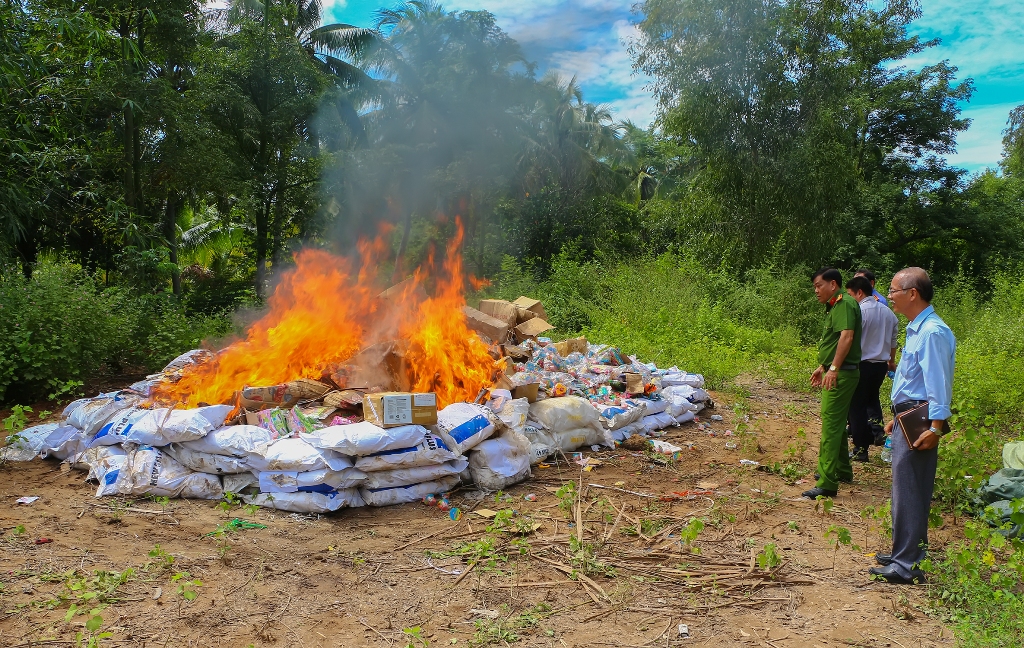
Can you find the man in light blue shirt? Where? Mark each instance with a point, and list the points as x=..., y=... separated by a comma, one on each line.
x=924, y=375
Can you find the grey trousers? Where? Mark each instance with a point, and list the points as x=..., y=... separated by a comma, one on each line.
x=913, y=480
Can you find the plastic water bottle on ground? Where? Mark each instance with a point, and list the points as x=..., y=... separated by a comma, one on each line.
x=887, y=450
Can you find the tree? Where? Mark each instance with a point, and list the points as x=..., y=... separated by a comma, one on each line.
x=797, y=113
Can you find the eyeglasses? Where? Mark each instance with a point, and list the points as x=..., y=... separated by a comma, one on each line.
x=893, y=292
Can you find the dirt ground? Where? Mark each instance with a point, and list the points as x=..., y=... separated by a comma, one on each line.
x=605, y=567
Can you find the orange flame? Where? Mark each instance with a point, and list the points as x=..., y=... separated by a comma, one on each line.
x=324, y=312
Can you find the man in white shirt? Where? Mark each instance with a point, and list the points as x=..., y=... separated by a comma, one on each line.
x=878, y=357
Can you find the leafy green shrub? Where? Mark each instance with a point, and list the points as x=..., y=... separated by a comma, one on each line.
x=54, y=328
x=59, y=328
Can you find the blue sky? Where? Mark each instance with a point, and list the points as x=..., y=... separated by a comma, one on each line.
x=587, y=38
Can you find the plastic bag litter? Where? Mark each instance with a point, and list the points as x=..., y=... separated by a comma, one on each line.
x=417, y=475
x=306, y=502
x=27, y=444
x=231, y=440
x=565, y=413
x=90, y=417
x=568, y=440
x=405, y=494
x=358, y=439
x=499, y=462
x=160, y=427
x=658, y=421
x=207, y=462
x=432, y=450
x=148, y=471
x=674, y=376
x=295, y=454
x=105, y=465
x=465, y=424
x=64, y=441
x=309, y=481
x=195, y=356
x=613, y=417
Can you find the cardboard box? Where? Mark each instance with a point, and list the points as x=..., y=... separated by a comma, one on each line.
x=529, y=391
x=492, y=328
x=392, y=409
x=531, y=328
x=406, y=289
x=527, y=308
x=574, y=345
x=500, y=309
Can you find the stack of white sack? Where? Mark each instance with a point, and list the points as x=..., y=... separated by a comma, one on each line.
x=566, y=423
x=501, y=461
x=148, y=471
x=418, y=462
x=294, y=475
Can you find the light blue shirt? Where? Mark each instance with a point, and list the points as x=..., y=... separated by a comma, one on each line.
x=925, y=371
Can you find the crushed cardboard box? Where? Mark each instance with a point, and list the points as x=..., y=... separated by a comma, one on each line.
x=495, y=330
x=500, y=309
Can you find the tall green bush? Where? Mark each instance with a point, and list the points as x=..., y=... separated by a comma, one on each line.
x=60, y=329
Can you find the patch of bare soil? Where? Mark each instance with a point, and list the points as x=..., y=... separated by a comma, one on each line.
x=606, y=567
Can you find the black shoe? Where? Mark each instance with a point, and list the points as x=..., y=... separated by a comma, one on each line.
x=883, y=559
x=859, y=454
x=890, y=575
x=879, y=435
x=816, y=492
x=842, y=481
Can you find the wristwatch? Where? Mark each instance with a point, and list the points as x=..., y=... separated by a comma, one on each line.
x=937, y=432
x=832, y=368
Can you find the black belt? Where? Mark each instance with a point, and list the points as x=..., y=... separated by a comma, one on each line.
x=899, y=408
x=849, y=366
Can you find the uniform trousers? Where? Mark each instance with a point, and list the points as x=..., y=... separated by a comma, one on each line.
x=833, y=451
x=913, y=481
x=866, y=408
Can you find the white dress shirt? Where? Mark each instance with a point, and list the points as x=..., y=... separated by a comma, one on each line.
x=878, y=335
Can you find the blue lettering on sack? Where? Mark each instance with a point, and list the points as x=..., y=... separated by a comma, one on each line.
x=612, y=411
x=469, y=428
x=431, y=443
x=110, y=477
x=319, y=488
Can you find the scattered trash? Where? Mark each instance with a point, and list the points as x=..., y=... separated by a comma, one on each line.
x=157, y=593
x=237, y=525
x=26, y=500
x=684, y=631
x=749, y=462
x=730, y=445
x=41, y=541
x=717, y=417
x=530, y=497
x=455, y=514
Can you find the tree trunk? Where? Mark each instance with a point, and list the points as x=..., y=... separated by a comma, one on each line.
x=396, y=273
x=262, y=223
x=129, y=157
x=171, y=209
x=277, y=225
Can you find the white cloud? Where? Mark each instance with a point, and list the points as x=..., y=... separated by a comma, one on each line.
x=982, y=144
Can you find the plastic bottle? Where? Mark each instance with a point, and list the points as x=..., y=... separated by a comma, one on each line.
x=892, y=375
x=887, y=450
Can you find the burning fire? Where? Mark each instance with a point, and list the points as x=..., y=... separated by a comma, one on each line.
x=324, y=312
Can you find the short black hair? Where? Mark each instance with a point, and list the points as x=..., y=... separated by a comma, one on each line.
x=867, y=274
x=828, y=274
x=859, y=284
